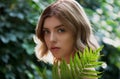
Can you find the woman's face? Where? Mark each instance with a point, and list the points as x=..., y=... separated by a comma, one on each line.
x=58, y=38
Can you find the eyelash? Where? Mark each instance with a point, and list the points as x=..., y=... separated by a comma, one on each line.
x=60, y=30
x=46, y=31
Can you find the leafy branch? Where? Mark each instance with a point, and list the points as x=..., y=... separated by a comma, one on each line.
x=81, y=66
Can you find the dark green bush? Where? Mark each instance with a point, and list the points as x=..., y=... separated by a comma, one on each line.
x=18, y=19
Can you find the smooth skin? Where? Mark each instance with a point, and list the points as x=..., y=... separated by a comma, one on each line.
x=58, y=38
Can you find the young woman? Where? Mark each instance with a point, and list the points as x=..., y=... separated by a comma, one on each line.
x=62, y=29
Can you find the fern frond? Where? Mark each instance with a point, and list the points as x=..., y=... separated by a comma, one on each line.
x=89, y=59
x=55, y=72
x=65, y=71
x=81, y=66
x=44, y=74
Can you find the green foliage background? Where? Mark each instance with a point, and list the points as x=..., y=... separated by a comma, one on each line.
x=18, y=20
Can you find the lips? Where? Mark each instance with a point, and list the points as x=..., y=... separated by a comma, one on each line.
x=54, y=49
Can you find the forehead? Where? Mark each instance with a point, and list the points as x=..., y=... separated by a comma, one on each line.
x=51, y=22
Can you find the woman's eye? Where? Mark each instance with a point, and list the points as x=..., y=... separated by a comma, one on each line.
x=61, y=30
x=46, y=31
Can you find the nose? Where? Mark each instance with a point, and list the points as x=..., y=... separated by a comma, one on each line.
x=52, y=37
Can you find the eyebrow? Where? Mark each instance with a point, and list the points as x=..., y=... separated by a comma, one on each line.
x=55, y=26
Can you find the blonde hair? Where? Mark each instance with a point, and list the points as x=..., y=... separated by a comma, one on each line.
x=72, y=15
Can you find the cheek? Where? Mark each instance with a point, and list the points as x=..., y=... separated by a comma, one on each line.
x=68, y=48
x=68, y=42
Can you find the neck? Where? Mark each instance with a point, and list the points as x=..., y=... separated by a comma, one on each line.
x=67, y=58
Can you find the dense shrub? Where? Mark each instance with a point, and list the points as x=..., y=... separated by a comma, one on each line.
x=18, y=19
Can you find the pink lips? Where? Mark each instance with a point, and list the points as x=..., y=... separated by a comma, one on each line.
x=54, y=49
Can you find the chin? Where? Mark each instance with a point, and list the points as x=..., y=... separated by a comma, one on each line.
x=57, y=57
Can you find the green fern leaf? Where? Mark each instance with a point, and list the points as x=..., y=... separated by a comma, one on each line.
x=81, y=66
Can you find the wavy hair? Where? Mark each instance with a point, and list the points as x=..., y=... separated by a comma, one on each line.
x=72, y=15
